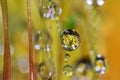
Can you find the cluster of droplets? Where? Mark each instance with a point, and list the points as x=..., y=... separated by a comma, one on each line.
x=100, y=64
x=43, y=41
x=98, y=2
x=50, y=10
x=70, y=42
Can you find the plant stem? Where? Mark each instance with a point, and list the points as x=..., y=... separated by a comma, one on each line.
x=7, y=57
x=31, y=65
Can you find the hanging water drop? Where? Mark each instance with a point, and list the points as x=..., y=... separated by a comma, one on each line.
x=100, y=66
x=68, y=70
x=67, y=57
x=70, y=40
x=43, y=41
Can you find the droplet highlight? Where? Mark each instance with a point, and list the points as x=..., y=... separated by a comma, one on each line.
x=67, y=57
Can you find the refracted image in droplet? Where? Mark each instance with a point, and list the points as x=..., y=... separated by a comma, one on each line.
x=70, y=40
x=68, y=70
x=100, y=65
x=67, y=57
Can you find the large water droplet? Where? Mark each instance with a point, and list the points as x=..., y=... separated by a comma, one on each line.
x=68, y=70
x=70, y=39
x=67, y=57
x=100, y=65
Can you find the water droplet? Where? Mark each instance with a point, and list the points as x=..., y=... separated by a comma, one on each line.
x=43, y=41
x=100, y=2
x=53, y=12
x=46, y=71
x=100, y=65
x=89, y=2
x=70, y=40
x=23, y=65
x=67, y=57
x=83, y=66
x=68, y=70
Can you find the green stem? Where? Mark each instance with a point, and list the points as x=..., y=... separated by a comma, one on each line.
x=7, y=57
x=31, y=65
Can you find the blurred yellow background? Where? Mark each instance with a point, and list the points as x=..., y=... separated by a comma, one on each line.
x=112, y=37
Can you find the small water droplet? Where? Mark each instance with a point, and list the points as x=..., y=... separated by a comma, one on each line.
x=83, y=66
x=23, y=65
x=43, y=41
x=46, y=70
x=68, y=70
x=100, y=65
x=70, y=39
x=67, y=57
x=51, y=10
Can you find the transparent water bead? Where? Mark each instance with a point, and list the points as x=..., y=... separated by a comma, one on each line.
x=23, y=65
x=67, y=57
x=83, y=66
x=70, y=39
x=68, y=70
x=46, y=70
x=43, y=41
x=53, y=12
x=100, y=65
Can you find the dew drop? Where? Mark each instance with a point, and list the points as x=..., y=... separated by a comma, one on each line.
x=23, y=65
x=68, y=70
x=70, y=40
x=46, y=70
x=43, y=41
x=67, y=57
x=100, y=66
